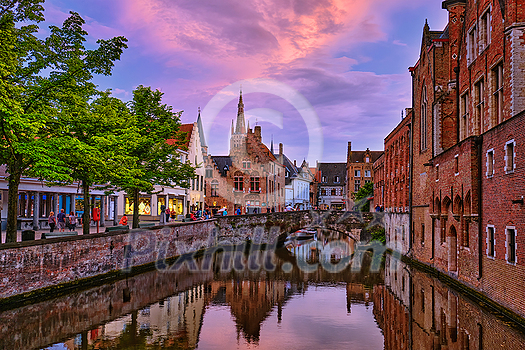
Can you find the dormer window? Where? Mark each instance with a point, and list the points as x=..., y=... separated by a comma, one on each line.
x=323, y=179
x=367, y=160
x=336, y=179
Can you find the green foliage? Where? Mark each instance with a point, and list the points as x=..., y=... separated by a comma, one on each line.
x=378, y=233
x=153, y=140
x=41, y=80
x=362, y=196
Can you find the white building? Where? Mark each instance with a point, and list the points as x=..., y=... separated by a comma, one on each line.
x=297, y=185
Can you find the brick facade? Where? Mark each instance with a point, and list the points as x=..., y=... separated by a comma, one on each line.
x=251, y=178
x=467, y=212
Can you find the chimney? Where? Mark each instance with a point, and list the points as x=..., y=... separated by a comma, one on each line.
x=295, y=163
x=349, y=153
x=281, y=158
x=257, y=132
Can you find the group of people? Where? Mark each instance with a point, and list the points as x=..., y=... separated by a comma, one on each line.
x=60, y=221
x=200, y=214
x=379, y=208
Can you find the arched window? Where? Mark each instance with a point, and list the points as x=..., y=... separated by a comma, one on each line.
x=215, y=188
x=424, y=121
x=238, y=181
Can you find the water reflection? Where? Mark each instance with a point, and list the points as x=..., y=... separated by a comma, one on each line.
x=417, y=311
x=396, y=308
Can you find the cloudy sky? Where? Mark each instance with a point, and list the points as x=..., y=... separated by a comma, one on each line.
x=315, y=74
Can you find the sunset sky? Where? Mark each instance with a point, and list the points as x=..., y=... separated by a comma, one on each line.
x=348, y=58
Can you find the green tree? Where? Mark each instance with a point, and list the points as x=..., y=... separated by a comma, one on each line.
x=94, y=136
x=156, y=139
x=38, y=77
x=362, y=196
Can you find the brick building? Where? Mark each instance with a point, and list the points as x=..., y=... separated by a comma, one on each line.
x=467, y=170
x=359, y=169
x=250, y=178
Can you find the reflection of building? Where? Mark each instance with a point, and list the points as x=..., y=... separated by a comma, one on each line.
x=250, y=178
x=331, y=186
x=417, y=311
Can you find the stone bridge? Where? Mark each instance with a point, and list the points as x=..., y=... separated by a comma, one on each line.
x=47, y=268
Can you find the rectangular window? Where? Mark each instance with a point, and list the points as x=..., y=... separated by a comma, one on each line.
x=357, y=185
x=472, y=45
x=368, y=173
x=490, y=162
x=202, y=183
x=357, y=173
x=254, y=184
x=456, y=164
x=511, y=245
x=209, y=172
x=193, y=184
x=463, y=111
x=336, y=179
x=323, y=179
x=238, y=182
x=246, y=165
x=509, y=156
x=479, y=89
x=422, y=301
x=491, y=241
x=484, y=30
x=422, y=234
x=497, y=95
x=437, y=172
x=215, y=189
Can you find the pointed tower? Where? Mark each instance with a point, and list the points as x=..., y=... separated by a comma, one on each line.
x=204, y=147
x=238, y=136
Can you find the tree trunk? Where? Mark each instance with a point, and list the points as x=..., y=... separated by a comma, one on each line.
x=86, y=217
x=135, y=208
x=12, y=207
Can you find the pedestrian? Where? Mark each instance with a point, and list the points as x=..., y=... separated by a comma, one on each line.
x=52, y=221
x=168, y=215
x=382, y=209
x=377, y=208
x=225, y=212
x=72, y=221
x=238, y=211
x=61, y=218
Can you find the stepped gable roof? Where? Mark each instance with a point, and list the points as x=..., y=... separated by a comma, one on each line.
x=331, y=170
x=223, y=164
x=256, y=148
x=359, y=156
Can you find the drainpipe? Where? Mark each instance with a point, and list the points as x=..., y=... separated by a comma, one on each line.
x=411, y=174
x=480, y=193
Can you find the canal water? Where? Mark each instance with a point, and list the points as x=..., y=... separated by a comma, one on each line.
x=278, y=306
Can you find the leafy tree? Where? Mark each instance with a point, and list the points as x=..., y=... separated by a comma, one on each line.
x=156, y=139
x=93, y=140
x=362, y=196
x=38, y=77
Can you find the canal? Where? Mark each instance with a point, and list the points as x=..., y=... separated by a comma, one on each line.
x=277, y=306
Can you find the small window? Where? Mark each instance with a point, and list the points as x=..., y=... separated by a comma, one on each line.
x=479, y=89
x=456, y=164
x=246, y=165
x=357, y=173
x=491, y=242
x=484, y=30
x=437, y=172
x=215, y=188
x=490, y=163
x=336, y=179
x=209, y=172
x=323, y=179
x=254, y=184
x=368, y=173
x=509, y=156
x=463, y=110
x=367, y=160
x=472, y=45
x=497, y=95
x=511, y=245
x=422, y=235
x=357, y=185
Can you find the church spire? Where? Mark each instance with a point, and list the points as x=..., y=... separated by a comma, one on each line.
x=240, y=127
